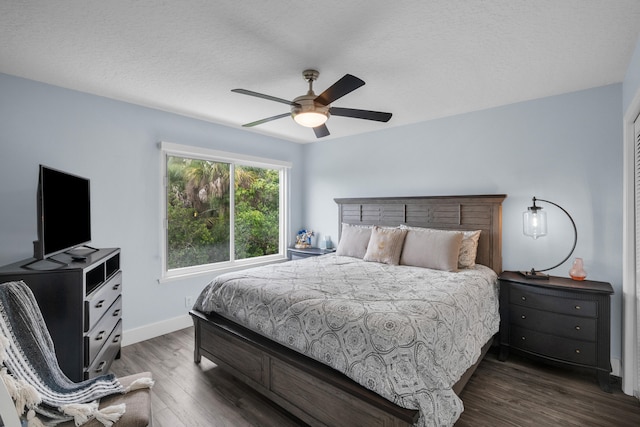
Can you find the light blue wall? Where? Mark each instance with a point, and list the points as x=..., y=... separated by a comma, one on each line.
x=567, y=149
x=115, y=145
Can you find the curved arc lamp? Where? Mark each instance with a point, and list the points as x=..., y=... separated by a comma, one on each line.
x=535, y=225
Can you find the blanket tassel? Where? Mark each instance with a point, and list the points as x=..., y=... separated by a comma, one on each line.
x=82, y=413
x=145, y=382
x=33, y=420
x=110, y=414
x=22, y=393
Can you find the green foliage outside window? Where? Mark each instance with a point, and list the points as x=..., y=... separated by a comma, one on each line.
x=199, y=212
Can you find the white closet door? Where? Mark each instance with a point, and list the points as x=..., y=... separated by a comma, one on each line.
x=637, y=251
x=637, y=192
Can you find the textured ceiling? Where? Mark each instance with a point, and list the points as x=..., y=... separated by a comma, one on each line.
x=420, y=59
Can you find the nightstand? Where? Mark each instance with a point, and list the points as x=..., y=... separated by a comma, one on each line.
x=297, y=253
x=558, y=320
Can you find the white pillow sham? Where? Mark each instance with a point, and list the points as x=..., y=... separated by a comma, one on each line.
x=468, y=247
x=431, y=249
x=354, y=240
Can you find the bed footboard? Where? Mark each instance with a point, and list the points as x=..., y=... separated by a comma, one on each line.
x=311, y=391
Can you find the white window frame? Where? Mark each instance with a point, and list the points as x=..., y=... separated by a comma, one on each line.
x=234, y=159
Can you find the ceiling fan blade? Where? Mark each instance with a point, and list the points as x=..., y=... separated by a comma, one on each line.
x=360, y=114
x=321, y=131
x=345, y=85
x=268, y=119
x=263, y=96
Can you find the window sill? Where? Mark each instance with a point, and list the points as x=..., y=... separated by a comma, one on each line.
x=177, y=275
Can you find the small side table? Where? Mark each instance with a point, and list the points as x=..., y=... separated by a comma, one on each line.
x=560, y=320
x=297, y=253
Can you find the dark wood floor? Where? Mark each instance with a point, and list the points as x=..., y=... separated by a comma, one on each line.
x=514, y=393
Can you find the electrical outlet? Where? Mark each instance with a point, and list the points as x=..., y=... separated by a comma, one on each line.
x=188, y=301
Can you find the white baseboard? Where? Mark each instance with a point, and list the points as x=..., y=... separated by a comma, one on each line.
x=616, y=367
x=153, y=330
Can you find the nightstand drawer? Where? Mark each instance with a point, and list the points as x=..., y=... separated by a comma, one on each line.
x=574, y=327
x=560, y=348
x=522, y=295
x=299, y=253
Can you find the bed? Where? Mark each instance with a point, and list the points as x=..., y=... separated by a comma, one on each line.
x=304, y=375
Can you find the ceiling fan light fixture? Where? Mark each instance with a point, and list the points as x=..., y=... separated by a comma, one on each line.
x=313, y=111
x=310, y=119
x=307, y=113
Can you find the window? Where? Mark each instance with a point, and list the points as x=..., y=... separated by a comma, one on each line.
x=221, y=210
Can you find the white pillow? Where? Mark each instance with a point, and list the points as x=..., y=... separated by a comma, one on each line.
x=431, y=249
x=468, y=247
x=354, y=240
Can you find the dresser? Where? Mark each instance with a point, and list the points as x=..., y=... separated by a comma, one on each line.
x=80, y=300
x=558, y=320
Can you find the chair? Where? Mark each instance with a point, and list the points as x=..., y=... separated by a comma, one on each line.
x=22, y=325
x=138, y=402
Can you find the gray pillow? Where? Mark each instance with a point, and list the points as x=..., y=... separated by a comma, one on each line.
x=354, y=240
x=385, y=245
x=432, y=249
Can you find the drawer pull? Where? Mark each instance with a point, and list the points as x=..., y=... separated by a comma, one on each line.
x=116, y=339
x=100, y=367
x=116, y=286
x=577, y=351
x=100, y=303
x=523, y=298
x=577, y=328
x=100, y=336
x=522, y=338
x=578, y=307
x=116, y=312
x=523, y=317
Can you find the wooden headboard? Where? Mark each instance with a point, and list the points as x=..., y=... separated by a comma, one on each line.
x=443, y=212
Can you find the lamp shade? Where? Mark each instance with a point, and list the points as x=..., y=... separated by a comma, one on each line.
x=310, y=119
x=534, y=222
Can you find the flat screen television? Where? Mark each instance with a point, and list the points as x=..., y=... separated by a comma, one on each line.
x=64, y=212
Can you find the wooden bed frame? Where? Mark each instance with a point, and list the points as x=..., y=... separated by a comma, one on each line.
x=310, y=390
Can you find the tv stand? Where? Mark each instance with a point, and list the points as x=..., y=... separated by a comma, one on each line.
x=81, y=304
x=80, y=251
x=44, y=264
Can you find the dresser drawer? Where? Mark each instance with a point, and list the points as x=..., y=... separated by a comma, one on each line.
x=99, y=301
x=98, y=336
x=559, y=348
x=574, y=327
x=522, y=295
x=109, y=351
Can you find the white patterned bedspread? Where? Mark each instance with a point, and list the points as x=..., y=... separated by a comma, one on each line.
x=407, y=333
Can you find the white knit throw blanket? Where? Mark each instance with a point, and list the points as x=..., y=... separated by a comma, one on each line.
x=32, y=375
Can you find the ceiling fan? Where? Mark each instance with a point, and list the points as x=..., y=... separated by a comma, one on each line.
x=313, y=110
